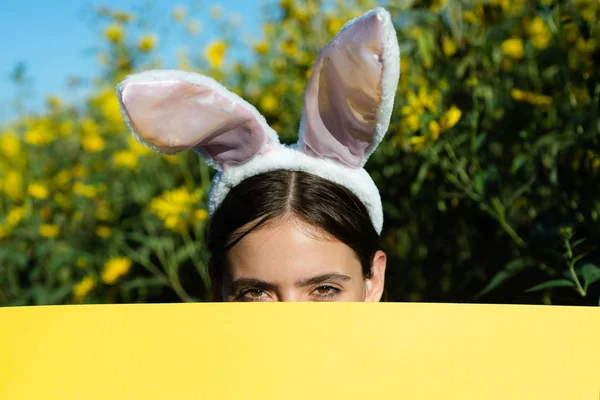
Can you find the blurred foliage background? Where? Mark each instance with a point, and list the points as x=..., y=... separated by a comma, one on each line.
x=489, y=173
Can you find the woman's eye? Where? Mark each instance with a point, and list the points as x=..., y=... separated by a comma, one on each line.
x=327, y=291
x=252, y=295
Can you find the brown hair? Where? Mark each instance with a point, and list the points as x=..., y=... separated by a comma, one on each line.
x=258, y=200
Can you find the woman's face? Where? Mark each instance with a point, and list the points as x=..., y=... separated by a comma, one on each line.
x=290, y=261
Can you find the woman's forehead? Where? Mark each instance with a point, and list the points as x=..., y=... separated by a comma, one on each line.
x=289, y=251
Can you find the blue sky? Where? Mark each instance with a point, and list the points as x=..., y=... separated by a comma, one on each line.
x=58, y=39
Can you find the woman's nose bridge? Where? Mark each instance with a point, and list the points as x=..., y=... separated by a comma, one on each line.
x=290, y=295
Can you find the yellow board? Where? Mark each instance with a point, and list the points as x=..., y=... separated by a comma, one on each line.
x=300, y=351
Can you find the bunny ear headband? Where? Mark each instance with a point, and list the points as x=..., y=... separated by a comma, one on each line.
x=347, y=108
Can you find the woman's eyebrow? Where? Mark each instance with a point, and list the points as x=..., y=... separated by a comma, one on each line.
x=241, y=283
x=322, y=278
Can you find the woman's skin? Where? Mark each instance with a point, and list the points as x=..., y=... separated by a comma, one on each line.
x=288, y=260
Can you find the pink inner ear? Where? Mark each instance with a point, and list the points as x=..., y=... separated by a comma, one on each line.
x=344, y=93
x=175, y=116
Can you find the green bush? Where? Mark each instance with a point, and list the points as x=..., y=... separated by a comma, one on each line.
x=490, y=172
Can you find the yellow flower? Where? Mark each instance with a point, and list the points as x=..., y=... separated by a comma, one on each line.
x=201, y=215
x=215, y=53
x=115, y=268
x=539, y=32
x=434, y=129
x=412, y=121
x=530, y=97
x=437, y=4
x=63, y=178
x=418, y=142
x=334, y=25
x=279, y=64
x=289, y=47
x=10, y=145
x=285, y=4
x=178, y=13
x=586, y=46
x=450, y=118
x=449, y=46
x=54, y=102
x=268, y=29
x=103, y=212
x=513, y=48
x=536, y=26
x=66, y=128
x=114, y=33
x=587, y=8
x=541, y=41
x=125, y=158
x=262, y=47
x=88, y=191
x=171, y=159
x=79, y=171
x=13, y=185
x=472, y=81
x=4, y=232
x=122, y=16
x=137, y=147
x=15, y=215
x=39, y=136
x=84, y=287
x=175, y=207
x=103, y=231
x=89, y=127
x=147, y=42
x=38, y=191
x=269, y=104
x=470, y=16
x=49, y=231
x=92, y=143
x=110, y=108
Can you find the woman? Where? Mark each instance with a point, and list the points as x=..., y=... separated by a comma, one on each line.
x=292, y=236
x=288, y=223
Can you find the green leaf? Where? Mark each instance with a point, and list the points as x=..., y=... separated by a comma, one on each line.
x=455, y=19
x=426, y=47
x=462, y=67
x=187, y=251
x=510, y=270
x=480, y=140
x=421, y=175
x=498, y=206
x=590, y=274
x=144, y=282
x=551, y=284
x=58, y=295
x=479, y=182
x=518, y=162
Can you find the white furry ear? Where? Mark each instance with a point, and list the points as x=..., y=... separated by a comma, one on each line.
x=350, y=95
x=171, y=111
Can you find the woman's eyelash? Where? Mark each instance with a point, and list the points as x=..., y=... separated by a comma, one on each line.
x=333, y=291
x=242, y=296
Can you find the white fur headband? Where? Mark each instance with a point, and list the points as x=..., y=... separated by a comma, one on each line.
x=347, y=108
